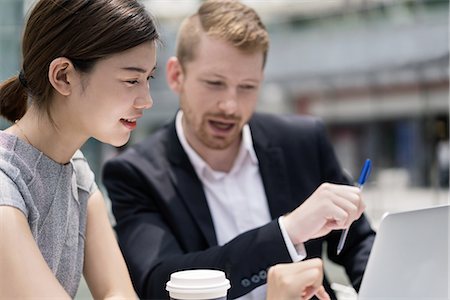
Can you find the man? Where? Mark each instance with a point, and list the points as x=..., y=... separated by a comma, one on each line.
x=226, y=188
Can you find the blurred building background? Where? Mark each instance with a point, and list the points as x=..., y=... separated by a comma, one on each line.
x=375, y=70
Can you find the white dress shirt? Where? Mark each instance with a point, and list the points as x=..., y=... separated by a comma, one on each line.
x=236, y=199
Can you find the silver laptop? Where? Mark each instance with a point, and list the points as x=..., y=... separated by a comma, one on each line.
x=410, y=257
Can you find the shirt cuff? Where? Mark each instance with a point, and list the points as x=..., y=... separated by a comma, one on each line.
x=297, y=252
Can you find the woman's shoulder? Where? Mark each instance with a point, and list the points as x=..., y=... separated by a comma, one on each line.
x=16, y=173
x=19, y=158
x=12, y=164
x=12, y=186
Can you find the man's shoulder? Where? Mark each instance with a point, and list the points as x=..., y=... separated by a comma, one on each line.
x=281, y=124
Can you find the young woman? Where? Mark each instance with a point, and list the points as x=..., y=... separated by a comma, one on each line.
x=85, y=73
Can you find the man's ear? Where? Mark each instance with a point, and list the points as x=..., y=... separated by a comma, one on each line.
x=61, y=75
x=174, y=74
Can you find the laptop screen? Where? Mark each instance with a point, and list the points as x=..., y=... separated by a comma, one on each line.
x=410, y=257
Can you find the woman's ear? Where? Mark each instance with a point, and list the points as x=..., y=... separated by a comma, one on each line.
x=61, y=75
x=174, y=74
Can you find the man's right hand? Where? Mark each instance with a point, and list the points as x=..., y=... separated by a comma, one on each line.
x=330, y=207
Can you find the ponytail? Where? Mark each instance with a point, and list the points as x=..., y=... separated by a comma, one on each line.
x=13, y=99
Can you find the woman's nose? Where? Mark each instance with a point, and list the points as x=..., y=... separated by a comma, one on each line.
x=145, y=101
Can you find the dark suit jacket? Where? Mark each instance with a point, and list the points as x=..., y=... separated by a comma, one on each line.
x=163, y=220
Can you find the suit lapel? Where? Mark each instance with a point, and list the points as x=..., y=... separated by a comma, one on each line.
x=189, y=187
x=273, y=170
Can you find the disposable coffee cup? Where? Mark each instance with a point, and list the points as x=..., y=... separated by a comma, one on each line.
x=199, y=284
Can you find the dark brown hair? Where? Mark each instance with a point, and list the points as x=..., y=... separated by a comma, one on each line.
x=227, y=20
x=83, y=31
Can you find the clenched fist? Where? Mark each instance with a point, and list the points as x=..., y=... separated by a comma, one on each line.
x=296, y=281
x=330, y=207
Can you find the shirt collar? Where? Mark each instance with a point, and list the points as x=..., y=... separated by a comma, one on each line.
x=200, y=166
x=247, y=143
x=198, y=163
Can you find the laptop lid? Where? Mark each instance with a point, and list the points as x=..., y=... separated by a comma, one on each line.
x=410, y=257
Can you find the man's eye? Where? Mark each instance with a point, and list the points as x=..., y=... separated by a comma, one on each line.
x=214, y=83
x=132, y=81
x=248, y=87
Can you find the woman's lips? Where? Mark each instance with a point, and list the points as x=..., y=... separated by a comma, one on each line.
x=129, y=123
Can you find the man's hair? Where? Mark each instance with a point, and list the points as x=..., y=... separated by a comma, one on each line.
x=227, y=20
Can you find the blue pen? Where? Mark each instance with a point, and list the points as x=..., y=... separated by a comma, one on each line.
x=362, y=179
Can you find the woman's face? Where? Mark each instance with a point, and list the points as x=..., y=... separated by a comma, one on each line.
x=114, y=94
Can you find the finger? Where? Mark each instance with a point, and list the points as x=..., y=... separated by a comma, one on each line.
x=348, y=193
x=287, y=268
x=341, y=188
x=297, y=267
x=295, y=280
x=321, y=294
x=336, y=217
x=308, y=293
x=350, y=208
x=312, y=277
x=312, y=263
x=361, y=208
x=353, y=195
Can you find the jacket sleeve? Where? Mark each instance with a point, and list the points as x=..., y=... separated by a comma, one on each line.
x=153, y=251
x=360, y=237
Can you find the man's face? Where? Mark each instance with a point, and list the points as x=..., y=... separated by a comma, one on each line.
x=218, y=93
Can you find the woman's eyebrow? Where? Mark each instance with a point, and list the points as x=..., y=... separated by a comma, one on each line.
x=136, y=69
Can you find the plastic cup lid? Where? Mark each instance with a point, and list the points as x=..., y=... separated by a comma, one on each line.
x=198, y=284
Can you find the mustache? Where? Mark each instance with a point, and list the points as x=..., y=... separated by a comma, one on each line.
x=227, y=117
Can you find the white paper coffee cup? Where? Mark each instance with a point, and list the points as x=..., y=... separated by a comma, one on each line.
x=200, y=284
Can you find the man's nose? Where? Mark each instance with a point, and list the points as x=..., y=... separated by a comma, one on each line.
x=229, y=104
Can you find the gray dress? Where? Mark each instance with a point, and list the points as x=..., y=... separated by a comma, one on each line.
x=53, y=198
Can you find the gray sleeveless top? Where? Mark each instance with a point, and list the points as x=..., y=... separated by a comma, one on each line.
x=53, y=197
